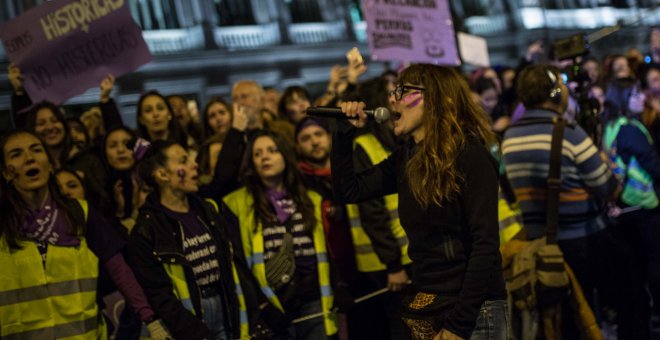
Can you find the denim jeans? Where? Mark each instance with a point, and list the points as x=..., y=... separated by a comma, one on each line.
x=212, y=315
x=493, y=322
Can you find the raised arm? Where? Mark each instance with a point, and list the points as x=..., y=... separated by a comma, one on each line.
x=226, y=174
x=20, y=100
x=109, y=111
x=349, y=186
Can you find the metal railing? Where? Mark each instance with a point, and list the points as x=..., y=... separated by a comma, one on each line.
x=241, y=37
x=174, y=40
x=317, y=32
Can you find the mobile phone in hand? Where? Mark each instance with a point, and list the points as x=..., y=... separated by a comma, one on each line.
x=354, y=57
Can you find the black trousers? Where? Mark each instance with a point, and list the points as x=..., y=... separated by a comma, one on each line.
x=641, y=230
x=378, y=317
x=605, y=264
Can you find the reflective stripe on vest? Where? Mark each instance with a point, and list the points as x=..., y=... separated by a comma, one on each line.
x=180, y=289
x=366, y=258
x=180, y=286
x=638, y=188
x=241, y=203
x=57, y=300
x=243, y=317
x=509, y=218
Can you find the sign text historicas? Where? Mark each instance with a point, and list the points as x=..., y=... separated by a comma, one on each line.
x=65, y=47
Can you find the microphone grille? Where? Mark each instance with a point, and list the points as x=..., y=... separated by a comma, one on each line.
x=381, y=114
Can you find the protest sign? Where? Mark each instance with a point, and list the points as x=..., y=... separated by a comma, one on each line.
x=474, y=49
x=65, y=47
x=411, y=31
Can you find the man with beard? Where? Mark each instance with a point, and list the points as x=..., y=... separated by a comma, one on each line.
x=250, y=95
x=313, y=147
x=356, y=248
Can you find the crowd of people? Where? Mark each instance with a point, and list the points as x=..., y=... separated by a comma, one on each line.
x=254, y=220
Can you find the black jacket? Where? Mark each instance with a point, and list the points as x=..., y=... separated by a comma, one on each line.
x=454, y=247
x=156, y=239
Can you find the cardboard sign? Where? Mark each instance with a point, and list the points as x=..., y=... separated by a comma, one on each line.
x=411, y=31
x=65, y=47
x=474, y=49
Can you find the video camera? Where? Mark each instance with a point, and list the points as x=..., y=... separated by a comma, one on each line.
x=573, y=48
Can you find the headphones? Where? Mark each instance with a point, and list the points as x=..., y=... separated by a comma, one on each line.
x=555, y=93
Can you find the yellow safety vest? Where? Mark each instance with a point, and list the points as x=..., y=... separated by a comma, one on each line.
x=366, y=258
x=241, y=203
x=245, y=327
x=55, y=300
x=509, y=218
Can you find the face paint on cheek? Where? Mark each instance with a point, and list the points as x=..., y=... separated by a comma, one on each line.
x=182, y=175
x=412, y=100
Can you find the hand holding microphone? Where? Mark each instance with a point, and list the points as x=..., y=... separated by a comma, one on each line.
x=352, y=111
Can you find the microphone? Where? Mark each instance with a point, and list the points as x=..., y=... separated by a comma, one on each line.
x=380, y=114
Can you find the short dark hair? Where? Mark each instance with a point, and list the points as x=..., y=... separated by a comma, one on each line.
x=645, y=72
x=287, y=96
x=534, y=85
x=482, y=84
x=153, y=158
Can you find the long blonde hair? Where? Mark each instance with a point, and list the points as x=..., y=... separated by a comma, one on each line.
x=450, y=115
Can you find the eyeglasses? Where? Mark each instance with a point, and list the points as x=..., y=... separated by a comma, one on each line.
x=399, y=90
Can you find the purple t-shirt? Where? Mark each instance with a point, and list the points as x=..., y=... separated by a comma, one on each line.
x=199, y=248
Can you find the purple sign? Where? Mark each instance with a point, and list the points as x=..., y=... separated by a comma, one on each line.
x=411, y=31
x=65, y=47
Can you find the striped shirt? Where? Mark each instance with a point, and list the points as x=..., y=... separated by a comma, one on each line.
x=586, y=179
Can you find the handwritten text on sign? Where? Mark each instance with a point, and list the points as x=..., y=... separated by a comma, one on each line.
x=65, y=47
x=411, y=31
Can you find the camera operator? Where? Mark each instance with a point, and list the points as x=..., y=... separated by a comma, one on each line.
x=598, y=259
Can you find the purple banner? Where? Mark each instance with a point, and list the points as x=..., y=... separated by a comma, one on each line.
x=411, y=31
x=65, y=47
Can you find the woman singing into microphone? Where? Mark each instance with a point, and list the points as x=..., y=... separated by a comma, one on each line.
x=447, y=186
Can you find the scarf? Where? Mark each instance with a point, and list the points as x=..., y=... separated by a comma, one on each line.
x=48, y=224
x=309, y=169
x=284, y=206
